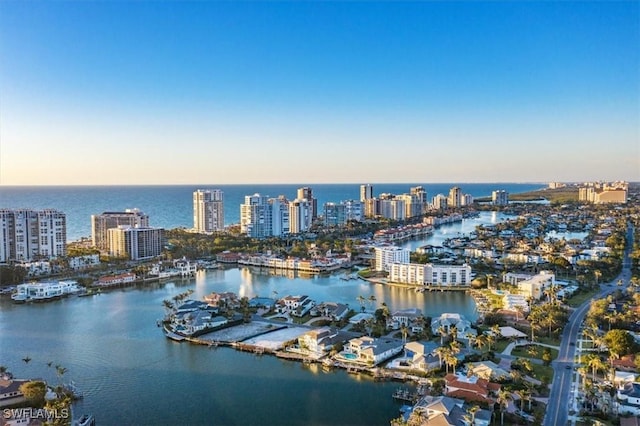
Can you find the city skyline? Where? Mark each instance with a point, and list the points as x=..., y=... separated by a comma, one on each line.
x=217, y=93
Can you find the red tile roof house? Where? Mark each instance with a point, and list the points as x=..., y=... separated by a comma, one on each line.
x=470, y=388
x=626, y=363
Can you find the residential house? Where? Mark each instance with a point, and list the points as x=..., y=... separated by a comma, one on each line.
x=371, y=351
x=450, y=320
x=410, y=318
x=629, y=399
x=319, y=342
x=447, y=411
x=470, y=388
x=487, y=370
x=10, y=393
x=335, y=311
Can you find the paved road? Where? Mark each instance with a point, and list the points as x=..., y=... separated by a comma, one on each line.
x=560, y=396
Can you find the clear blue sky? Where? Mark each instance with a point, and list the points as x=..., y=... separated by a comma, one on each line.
x=161, y=92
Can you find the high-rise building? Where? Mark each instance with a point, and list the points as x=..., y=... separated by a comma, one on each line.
x=455, y=197
x=280, y=222
x=135, y=243
x=28, y=235
x=306, y=193
x=500, y=197
x=208, y=210
x=256, y=216
x=440, y=202
x=366, y=192
x=299, y=216
x=100, y=225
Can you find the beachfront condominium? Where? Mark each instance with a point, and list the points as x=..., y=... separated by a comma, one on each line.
x=366, y=192
x=300, y=216
x=101, y=223
x=455, y=197
x=256, y=216
x=208, y=210
x=602, y=193
x=339, y=214
x=135, y=243
x=30, y=235
x=500, y=197
x=306, y=193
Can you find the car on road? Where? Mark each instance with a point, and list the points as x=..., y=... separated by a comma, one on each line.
x=568, y=367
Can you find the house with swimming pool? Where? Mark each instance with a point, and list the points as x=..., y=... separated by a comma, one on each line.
x=370, y=351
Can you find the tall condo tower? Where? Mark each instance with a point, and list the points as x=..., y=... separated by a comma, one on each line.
x=366, y=192
x=29, y=234
x=208, y=210
x=101, y=223
x=306, y=193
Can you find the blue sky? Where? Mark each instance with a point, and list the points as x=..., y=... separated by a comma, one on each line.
x=161, y=92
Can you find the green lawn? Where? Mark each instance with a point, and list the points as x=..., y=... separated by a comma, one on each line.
x=542, y=373
x=521, y=351
x=554, y=341
x=579, y=298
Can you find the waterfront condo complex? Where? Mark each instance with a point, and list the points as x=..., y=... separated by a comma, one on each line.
x=208, y=210
x=101, y=223
x=30, y=234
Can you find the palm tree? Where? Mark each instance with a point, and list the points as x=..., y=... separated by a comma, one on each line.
x=60, y=372
x=455, y=347
x=372, y=300
x=491, y=339
x=504, y=396
x=481, y=341
x=450, y=360
x=472, y=339
x=441, y=352
x=405, y=332
x=361, y=299
x=26, y=359
x=442, y=331
x=597, y=274
x=470, y=416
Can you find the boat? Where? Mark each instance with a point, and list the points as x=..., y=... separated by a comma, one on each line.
x=85, y=420
x=19, y=298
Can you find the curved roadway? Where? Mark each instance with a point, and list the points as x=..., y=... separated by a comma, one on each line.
x=560, y=398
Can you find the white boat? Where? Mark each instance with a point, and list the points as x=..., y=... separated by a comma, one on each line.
x=85, y=420
x=44, y=291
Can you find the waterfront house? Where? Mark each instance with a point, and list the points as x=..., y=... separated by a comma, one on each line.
x=10, y=393
x=225, y=299
x=297, y=306
x=335, y=311
x=45, y=290
x=487, y=370
x=319, y=342
x=419, y=356
x=109, y=280
x=470, y=388
x=447, y=411
x=191, y=305
x=371, y=351
x=411, y=318
x=361, y=317
x=629, y=399
x=450, y=320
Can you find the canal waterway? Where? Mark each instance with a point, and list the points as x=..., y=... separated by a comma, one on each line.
x=131, y=374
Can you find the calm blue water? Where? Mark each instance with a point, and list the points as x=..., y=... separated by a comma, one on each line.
x=172, y=206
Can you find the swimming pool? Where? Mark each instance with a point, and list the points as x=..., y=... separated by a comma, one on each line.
x=350, y=356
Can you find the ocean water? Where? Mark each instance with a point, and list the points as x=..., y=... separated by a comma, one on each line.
x=172, y=206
